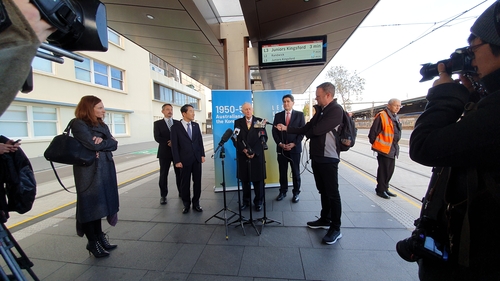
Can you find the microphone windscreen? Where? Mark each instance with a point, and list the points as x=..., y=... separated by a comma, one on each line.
x=236, y=131
x=227, y=135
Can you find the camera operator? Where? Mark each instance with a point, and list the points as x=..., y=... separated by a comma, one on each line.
x=470, y=145
x=21, y=32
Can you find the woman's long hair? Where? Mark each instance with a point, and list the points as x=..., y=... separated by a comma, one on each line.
x=85, y=110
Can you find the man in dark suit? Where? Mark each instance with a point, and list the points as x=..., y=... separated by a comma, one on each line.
x=251, y=163
x=189, y=154
x=164, y=155
x=288, y=147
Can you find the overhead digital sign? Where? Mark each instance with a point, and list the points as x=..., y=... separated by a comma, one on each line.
x=292, y=52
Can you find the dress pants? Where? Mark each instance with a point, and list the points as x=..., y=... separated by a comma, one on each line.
x=385, y=171
x=283, y=159
x=194, y=170
x=327, y=183
x=164, y=170
x=258, y=188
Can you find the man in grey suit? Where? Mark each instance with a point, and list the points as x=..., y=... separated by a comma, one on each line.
x=161, y=130
x=288, y=147
x=189, y=154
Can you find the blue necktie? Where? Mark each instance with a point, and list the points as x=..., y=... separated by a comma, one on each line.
x=190, y=134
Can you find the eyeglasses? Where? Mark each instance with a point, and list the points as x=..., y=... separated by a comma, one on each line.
x=472, y=49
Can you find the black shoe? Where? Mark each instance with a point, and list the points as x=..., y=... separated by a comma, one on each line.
x=383, y=194
x=258, y=208
x=103, y=240
x=243, y=207
x=163, y=201
x=319, y=223
x=198, y=209
x=391, y=194
x=295, y=198
x=332, y=236
x=96, y=249
x=280, y=196
x=185, y=210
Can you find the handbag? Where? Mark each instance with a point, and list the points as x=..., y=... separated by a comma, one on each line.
x=66, y=149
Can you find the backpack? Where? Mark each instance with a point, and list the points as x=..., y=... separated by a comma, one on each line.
x=347, y=132
x=20, y=183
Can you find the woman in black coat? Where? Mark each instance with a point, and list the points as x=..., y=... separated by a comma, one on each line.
x=96, y=185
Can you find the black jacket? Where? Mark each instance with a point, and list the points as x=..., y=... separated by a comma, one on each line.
x=471, y=147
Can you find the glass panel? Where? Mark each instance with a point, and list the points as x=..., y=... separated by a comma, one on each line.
x=85, y=64
x=115, y=73
x=82, y=74
x=118, y=118
x=42, y=64
x=120, y=129
x=14, y=129
x=44, y=129
x=115, y=84
x=15, y=113
x=100, y=68
x=44, y=113
x=113, y=37
x=100, y=79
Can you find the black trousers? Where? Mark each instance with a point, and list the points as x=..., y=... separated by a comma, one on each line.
x=163, y=182
x=385, y=171
x=284, y=158
x=92, y=229
x=193, y=169
x=258, y=189
x=327, y=183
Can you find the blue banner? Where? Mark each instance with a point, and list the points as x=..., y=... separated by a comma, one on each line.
x=226, y=107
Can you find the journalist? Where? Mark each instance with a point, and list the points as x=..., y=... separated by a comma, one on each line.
x=470, y=145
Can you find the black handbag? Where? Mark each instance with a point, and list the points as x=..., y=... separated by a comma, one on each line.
x=66, y=149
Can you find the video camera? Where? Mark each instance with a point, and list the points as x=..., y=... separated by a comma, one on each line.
x=459, y=62
x=81, y=26
x=429, y=240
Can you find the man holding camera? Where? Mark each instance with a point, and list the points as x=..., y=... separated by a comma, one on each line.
x=470, y=145
x=250, y=149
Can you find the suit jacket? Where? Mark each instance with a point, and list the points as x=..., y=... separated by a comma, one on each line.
x=296, y=120
x=186, y=150
x=162, y=136
x=252, y=140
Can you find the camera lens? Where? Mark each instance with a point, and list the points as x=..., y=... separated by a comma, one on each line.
x=405, y=250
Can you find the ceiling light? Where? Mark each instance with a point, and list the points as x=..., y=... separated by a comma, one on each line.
x=194, y=56
x=150, y=17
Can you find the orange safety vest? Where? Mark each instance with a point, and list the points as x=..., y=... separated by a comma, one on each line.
x=383, y=142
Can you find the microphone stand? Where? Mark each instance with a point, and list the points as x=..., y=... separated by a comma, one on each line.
x=251, y=221
x=222, y=155
x=240, y=219
x=265, y=220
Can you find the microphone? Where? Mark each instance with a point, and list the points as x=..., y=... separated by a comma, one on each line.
x=236, y=133
x=249, y=149
x=225, y=137
x=262, y=137
x=261, y=124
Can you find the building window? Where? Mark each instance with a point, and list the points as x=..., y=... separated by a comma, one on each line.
x=42, y=64
x=114, y=37
x=99, y=73
x=29, y=121
x=117, y=123
x=165, y=94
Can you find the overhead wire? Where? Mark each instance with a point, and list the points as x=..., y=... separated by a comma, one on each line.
x=446, y=22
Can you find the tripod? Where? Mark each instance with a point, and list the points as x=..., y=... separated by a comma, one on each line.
x=224, y=210
x=250, y=221
x=14, y=263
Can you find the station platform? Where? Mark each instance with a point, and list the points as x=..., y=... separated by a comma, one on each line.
x=158, y=242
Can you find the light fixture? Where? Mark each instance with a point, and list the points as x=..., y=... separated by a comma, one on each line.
x=150, y=17
x=194, y=56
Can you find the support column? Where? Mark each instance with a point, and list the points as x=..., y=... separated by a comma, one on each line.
x=235, y=40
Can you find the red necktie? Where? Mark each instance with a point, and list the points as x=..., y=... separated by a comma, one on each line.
x=287, y=120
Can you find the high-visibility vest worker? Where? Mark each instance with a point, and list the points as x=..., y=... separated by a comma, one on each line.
x=383, y=142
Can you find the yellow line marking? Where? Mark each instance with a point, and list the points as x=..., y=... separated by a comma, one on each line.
x=74, y=201
x=407, y=199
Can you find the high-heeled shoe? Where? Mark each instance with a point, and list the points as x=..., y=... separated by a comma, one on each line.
x=96, y=249
x=103, y=240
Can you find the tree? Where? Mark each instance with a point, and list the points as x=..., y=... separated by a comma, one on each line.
x=305, y=110
x=348, y=86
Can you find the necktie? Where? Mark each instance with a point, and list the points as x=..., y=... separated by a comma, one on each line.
x=287, y=120
x=169, y=123
x=190, y=134
x=249, y=122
